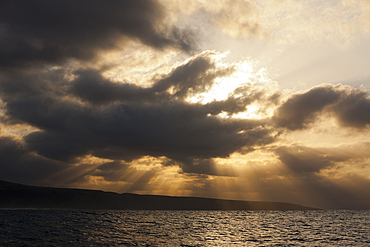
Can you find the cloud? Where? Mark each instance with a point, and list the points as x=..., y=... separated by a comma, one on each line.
x=194, y=76
x=33, y=83
x=301, y=109
x=42, y=32
x=237, y=100
x=304, y=160
x=124, y=122
x=20, y=164
x=117, y=171
x=109, y=170
x=354, y=109
x=80, y=112
x=173, y=129
x=350, y=106
x=91, y=86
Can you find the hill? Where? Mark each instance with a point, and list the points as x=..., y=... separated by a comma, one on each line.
x=14, y=195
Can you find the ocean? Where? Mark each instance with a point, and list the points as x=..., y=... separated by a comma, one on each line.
x=32, y=227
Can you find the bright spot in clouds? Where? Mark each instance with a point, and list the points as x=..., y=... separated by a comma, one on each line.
x=224, y=86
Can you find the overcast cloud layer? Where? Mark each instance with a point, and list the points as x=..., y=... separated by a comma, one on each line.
x=64, y=122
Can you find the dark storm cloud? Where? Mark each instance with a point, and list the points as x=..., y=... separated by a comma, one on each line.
x=126, y=121
x=301, y=109
x=350, y=106
x=117, y=153
x=58, y=146
x=33, y=83
x=34, y=32
x=205, y=167
x=304, y=160
x=172, y=129
x=354, y=109
x=190, y=78
x=91, y=86
x=194, y=77
x=19, y=164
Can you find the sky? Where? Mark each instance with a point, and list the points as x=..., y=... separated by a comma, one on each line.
x=260, y=100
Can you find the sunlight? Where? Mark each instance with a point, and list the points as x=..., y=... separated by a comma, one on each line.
x=252, y=112
x=170, y=181
x=224, y=86
x=245, y=75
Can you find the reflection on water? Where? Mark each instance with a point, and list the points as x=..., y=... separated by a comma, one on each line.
x=184, y=228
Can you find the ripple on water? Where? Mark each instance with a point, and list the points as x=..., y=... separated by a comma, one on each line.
x=184, y=228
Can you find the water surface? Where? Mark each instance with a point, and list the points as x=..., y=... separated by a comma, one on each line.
x=184, y=228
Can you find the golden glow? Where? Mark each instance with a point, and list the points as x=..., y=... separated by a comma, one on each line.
x=252, y=112
x=258, y=175
x=223, y=87
x=17, y=131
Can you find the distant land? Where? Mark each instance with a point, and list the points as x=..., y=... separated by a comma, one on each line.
x=13, y=195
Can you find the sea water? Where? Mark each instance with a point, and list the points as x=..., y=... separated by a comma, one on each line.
x=184, y=228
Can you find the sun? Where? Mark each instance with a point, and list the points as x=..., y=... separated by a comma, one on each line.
x=224, y=86
x=245, y=74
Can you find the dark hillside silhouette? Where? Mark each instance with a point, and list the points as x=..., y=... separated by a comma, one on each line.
x=14, y=195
